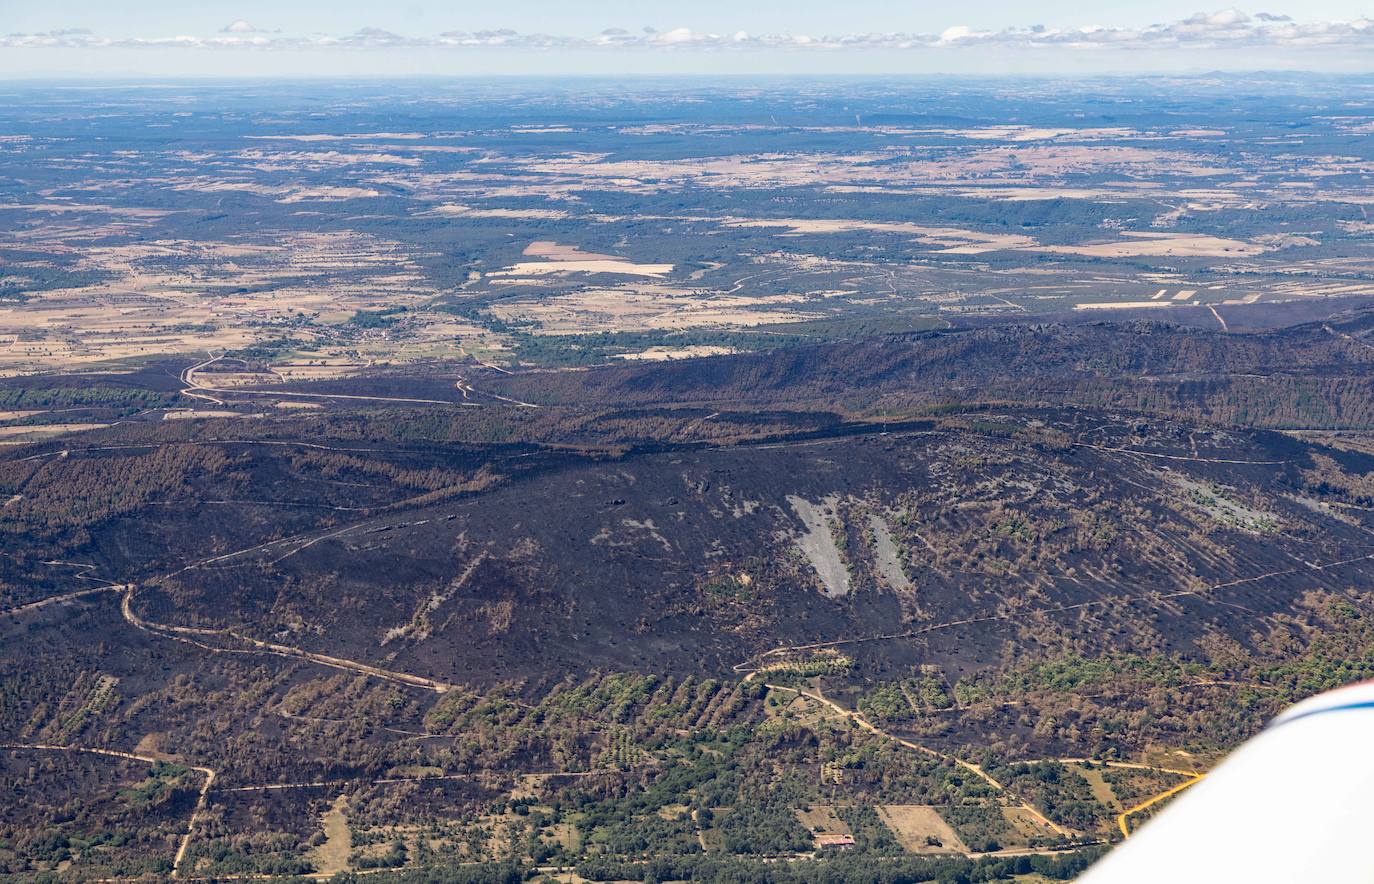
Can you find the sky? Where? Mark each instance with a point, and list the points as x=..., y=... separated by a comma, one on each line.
x=245, y=38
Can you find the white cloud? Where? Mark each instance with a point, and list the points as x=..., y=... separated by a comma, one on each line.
x=1226, y=28
x=955, y=34
x=1223, y=19
x=680, y=35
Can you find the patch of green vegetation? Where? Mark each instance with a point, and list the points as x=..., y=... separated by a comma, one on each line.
x=929, y=691
x=622, y=752
x=1015, y=527
x=260, y=854
x=792, y=671
x=383, y=318
x=855, y=865
x=982, y=827
x=895, y=702
x=994, y=428
x=393, y=858
x=1131, y=786
x=1073, y=671
x=1333, y=659
x=124, y=398
x=447, y=872
x=1217, y=501
x=886, y=704
x=728, y=587
x=971, y=691
x=604, y=347
x=1059, y=791
x=871, y=834
x=162, y=778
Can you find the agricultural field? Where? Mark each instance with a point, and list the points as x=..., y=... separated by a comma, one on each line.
x=317, y=242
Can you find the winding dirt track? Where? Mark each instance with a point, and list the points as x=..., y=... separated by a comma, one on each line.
x=750, y=664
x=1161, y=456
x=115, y=753
x=60, y=599
x=188, y=377
x=1150, y=802
x=969, y=766
x=199, y=390
x=200, y=637
x=182, y=633
x=192, y=634
x=1121, y=818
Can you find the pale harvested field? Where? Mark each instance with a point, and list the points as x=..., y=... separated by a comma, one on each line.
x=624, y=268
x=196, y=414
x=224, y=379
x=301, y=371
x=75, y=336
x=1142, y=244
x=1121, y=305
x=295, y=160
x=1025, y=194
x=1029, y=133
x=821, y=820
x=642, y=307
x=752, y=170
x=912, y=824
x=952, y=240
x=179, y=296
x=46, y=431
x=662, y=354
x=153, y=744
x=458, y=211
x=287, y=193
x=1026, y=824
x=559, y=252
x=1102, y=790
x=885, y=552
x=442, y=332
x=818, y=543
x=570, y=259
x=956, y=241
x=765, y=170
x=344, y=137
x=61, y=208
x=331, y=857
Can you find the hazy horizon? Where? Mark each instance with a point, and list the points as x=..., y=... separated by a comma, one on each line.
x=366, y=38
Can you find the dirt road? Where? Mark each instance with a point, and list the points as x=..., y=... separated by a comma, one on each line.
x=1121, y=819
x=1155, y=598
x=199, y=390
x=184, y=632
x=969, y=766
x=59, y=599
x=115, y=753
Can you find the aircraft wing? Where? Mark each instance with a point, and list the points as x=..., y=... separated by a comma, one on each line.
x=1295, y=804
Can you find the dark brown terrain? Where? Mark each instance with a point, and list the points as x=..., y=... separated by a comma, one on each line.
x=502, y=481
x=1047, y=548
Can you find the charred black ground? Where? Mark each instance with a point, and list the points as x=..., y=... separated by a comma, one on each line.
x=374, y=596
